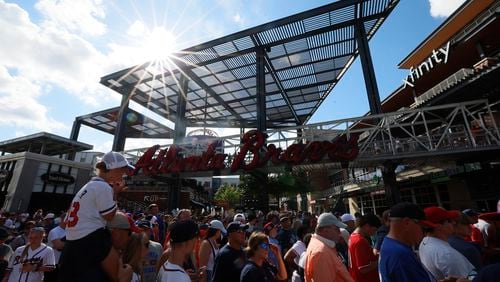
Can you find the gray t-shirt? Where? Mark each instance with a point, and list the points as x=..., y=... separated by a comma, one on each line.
x=154, y=254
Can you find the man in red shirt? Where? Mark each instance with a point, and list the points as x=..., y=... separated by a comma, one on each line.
x=363, y=264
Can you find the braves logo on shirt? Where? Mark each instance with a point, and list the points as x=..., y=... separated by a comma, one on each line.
x=42, y=256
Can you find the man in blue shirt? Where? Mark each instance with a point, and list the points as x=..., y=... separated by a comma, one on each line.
x=398, y=262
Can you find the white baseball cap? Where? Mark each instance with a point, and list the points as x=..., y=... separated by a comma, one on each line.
x=216, y=224
x=347, y=217
x=239, y=217
x=114, y=160
x=49, y=216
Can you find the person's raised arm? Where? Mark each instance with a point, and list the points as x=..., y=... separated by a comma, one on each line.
x=281, y=275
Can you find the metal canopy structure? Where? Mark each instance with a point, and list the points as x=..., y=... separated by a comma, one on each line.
x=138, y=125
x=293, y=63
x=43, y=143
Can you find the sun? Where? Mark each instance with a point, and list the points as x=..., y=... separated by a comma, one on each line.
x=159, y=44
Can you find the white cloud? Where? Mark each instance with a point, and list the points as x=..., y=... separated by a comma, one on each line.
x=51, y=56
x=137, y=28
x=103, y=147
x=238, y=19
x=444, y=8
x=81, y=16
x=20, y=107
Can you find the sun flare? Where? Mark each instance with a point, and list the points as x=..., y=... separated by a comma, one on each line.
x=159, y=44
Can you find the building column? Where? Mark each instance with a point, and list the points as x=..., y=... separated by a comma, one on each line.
x=391, y=187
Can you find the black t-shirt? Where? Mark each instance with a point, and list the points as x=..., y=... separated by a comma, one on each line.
x=228, y=264
x=254, y=273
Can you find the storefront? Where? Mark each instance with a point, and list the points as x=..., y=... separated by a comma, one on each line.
x=36, y=172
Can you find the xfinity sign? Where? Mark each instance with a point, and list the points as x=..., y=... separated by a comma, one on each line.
x=437, y=57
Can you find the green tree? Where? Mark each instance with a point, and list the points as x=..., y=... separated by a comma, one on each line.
x=281, y=184
x=228, y=194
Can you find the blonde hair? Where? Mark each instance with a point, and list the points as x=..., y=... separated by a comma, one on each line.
x=133, y=253
x=254, y=241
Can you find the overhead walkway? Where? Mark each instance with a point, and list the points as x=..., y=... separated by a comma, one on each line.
x=462, y=132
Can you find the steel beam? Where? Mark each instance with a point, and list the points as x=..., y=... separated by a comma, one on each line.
x=368, y=70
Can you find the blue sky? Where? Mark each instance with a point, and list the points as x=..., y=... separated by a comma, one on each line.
x=53, y=53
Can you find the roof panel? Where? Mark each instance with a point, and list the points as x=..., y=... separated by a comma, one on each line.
x=136, y=124
x=43, y=143
x=305, y=53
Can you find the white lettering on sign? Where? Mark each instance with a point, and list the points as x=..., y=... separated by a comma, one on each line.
x=151, y=198
x=427, y=65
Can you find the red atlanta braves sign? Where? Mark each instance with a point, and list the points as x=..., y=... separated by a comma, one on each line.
x=252, y=149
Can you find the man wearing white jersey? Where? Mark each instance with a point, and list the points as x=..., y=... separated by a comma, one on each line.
x=88, y=254
x=29, y=262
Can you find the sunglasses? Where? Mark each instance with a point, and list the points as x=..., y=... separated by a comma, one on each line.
x=264, y=246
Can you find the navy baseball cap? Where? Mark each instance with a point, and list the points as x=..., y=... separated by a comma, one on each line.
x=235, y=226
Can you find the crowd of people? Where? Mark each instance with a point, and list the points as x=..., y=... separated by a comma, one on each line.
x=96, y=241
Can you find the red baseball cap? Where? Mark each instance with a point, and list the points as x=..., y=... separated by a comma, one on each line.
x=435, y=216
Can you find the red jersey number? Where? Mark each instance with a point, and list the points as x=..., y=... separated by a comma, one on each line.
x=72, y=218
